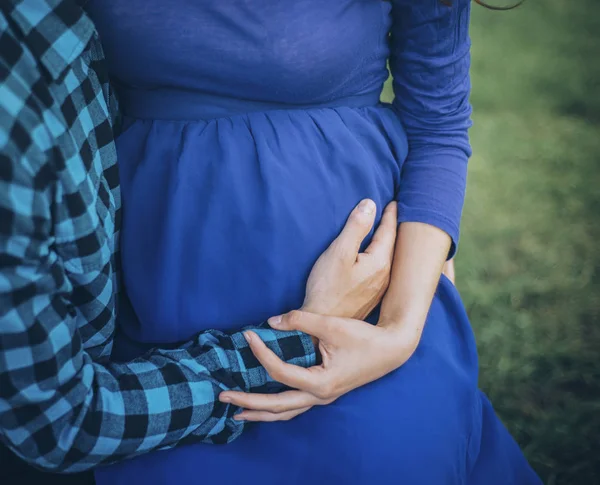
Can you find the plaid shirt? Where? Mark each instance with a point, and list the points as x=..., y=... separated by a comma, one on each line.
x=63, y=405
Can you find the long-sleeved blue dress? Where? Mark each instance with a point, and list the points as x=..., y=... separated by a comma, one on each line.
x=251, y=130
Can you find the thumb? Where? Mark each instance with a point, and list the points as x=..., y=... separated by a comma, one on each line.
x=318, y=326
x=359, y=224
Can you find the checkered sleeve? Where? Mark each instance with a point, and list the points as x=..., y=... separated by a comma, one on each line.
x=60, y=410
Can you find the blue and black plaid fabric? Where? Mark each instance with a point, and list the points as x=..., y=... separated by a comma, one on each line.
x=63, y=405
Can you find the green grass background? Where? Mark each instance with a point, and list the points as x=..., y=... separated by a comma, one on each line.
x=529, y=260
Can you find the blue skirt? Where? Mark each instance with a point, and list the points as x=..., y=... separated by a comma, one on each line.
x=224, y=216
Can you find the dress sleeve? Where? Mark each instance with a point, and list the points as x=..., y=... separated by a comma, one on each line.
x=430, y=60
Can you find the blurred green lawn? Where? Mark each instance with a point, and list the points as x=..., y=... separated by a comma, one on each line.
x=529, y=261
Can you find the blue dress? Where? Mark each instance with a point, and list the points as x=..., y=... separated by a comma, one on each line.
x=251, y=129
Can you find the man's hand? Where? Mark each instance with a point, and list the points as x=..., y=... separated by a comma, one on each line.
x=346, y=283
x=353, y=352
x=342, y=283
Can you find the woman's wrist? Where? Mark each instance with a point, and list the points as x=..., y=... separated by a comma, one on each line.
x=403, y=334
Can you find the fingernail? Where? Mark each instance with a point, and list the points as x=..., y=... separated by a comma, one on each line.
x=367, y=207
x=275, y=321
x=224, y=399
x=248, y=337
x=238, y=417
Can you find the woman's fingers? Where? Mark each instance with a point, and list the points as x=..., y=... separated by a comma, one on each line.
x=320, y=326
x=272, y=403
x=265, y=416
x=288, y=374
x=384, y=239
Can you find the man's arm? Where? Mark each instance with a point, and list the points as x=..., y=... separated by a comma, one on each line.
x=61, y=411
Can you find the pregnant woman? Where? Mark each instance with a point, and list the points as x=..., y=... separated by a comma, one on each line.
x=251, y=129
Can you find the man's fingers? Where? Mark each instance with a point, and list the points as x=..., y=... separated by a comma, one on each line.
x=384, y=239
x=359, y=224
x=265, y=416
x=272, y=403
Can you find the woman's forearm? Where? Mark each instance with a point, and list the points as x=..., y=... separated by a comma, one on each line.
x=420, y=254
x=450, y=271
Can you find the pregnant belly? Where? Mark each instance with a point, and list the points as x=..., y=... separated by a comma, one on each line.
x=224, y=219
x=412, y=426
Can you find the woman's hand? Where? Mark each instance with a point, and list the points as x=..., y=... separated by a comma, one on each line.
x=353, y=352
x=342, y=283
x=346, y=283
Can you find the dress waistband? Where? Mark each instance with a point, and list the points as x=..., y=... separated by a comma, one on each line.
x=182, y=105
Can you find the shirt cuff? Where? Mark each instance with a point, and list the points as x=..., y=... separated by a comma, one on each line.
x=294, y=348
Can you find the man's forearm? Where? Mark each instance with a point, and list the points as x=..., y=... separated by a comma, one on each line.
x=103, y=414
